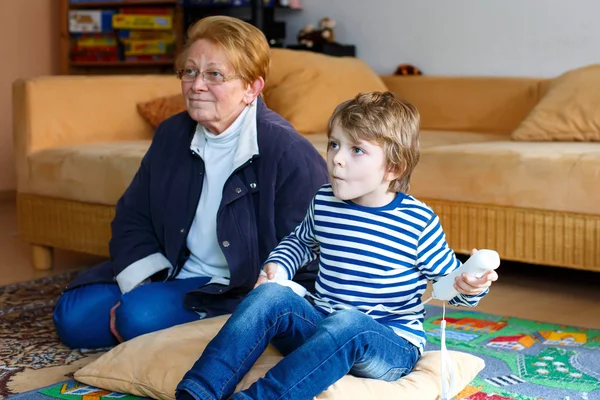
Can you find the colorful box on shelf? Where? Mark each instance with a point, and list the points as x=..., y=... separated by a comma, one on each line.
x=133, y=21
x=98, y=53
x=94, y=40
x=146, y=35
x=135, y=47
x=91, y=20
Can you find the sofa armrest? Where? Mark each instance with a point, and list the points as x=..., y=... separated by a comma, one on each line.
x=477, y=104
x=59, y=111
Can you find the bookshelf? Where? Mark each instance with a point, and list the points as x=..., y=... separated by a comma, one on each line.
x=119, y=62
x=261, y=13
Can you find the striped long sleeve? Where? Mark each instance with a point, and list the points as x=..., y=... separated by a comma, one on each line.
x=374, y=259
x=436, y=259
x=298, y=248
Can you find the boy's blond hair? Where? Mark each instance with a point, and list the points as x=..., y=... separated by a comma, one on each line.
x=393, y=124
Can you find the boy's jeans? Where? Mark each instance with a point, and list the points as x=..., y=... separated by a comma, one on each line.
x=318, y=350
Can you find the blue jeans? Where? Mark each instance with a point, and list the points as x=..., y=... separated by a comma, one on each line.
x=318, y=349
x=82, y=315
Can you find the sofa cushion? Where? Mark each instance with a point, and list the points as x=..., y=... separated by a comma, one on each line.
x=569, y=110
x=140, y=367
x=95, y=173
x=469, y=103
x=428, y=138
x=157, y=110
x=305, y=87
x=99, y=173
x=546, y=176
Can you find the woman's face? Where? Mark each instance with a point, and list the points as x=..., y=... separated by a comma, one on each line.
x=214, y=105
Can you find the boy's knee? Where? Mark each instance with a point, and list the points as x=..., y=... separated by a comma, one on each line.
x=344, y=324
x=270, y=295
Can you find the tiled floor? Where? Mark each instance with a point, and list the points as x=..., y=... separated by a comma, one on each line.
x=534, y=292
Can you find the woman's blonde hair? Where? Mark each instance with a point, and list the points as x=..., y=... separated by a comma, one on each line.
x=246, y=46
x=393, y=124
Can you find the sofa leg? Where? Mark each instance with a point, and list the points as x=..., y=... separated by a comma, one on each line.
x=42, y=257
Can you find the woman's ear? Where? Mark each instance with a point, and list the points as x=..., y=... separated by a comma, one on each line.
x=254, y=90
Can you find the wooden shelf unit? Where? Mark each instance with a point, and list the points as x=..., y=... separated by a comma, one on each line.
x=185, y=14
x=67, y=66
x=127, y=3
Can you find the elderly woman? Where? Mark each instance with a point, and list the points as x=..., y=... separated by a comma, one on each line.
x=219, y=187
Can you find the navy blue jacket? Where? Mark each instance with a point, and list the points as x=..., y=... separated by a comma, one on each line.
x=263, y=201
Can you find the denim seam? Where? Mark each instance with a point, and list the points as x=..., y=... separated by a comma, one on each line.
x=259, y=340
x=197, y=386
x=328, y=358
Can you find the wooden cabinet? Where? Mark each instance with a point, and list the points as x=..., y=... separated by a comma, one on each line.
x=108, y=51
x=76, y=58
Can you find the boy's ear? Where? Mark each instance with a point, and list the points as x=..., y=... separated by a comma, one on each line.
x=394, y=172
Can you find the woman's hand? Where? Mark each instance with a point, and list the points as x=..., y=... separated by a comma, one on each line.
x=113, y=324
x=471, y=286
x=270, y=269
x=113, y=314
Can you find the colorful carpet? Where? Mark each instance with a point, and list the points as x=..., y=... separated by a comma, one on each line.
x=525, y=360
x=31, y=356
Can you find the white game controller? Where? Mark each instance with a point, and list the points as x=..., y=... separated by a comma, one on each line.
x=296, y=287
x=477, y=265
x=281, y=278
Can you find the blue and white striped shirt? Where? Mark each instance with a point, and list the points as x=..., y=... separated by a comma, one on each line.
x=375, y=259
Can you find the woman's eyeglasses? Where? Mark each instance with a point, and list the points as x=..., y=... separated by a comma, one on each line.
x=210, y=77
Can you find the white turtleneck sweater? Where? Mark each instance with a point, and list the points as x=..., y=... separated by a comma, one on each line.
x=218, y=153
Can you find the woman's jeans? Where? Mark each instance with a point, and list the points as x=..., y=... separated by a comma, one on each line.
x=318, y=349
x=82, y=315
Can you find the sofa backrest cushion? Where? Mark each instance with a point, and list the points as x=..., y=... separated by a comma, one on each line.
x=568, y=111
x=305, y=87
x=477, y=104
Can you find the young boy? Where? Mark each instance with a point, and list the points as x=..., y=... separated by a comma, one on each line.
x=377, y=247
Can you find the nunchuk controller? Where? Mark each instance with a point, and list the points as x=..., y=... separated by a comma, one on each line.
x=296, y=287
x=281, y=278
x=477, y=265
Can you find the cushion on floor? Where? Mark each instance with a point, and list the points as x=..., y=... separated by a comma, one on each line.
x=152, y=365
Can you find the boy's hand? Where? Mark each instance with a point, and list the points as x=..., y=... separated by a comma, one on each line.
x=471, y=285
x=270, y=269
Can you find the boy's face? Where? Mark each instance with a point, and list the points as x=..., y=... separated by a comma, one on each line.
x=358, y=171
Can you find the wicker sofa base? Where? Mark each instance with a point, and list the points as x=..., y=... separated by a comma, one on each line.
x=533, y=236
x=64, y=224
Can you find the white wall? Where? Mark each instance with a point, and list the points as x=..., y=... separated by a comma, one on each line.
x=463, y=37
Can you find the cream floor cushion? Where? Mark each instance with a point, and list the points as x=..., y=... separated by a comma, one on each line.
x=152, y=365
x=542, y=175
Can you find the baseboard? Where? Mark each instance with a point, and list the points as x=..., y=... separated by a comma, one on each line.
x=7, y=195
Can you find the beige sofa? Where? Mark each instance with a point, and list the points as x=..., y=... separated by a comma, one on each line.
x=79, y=141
